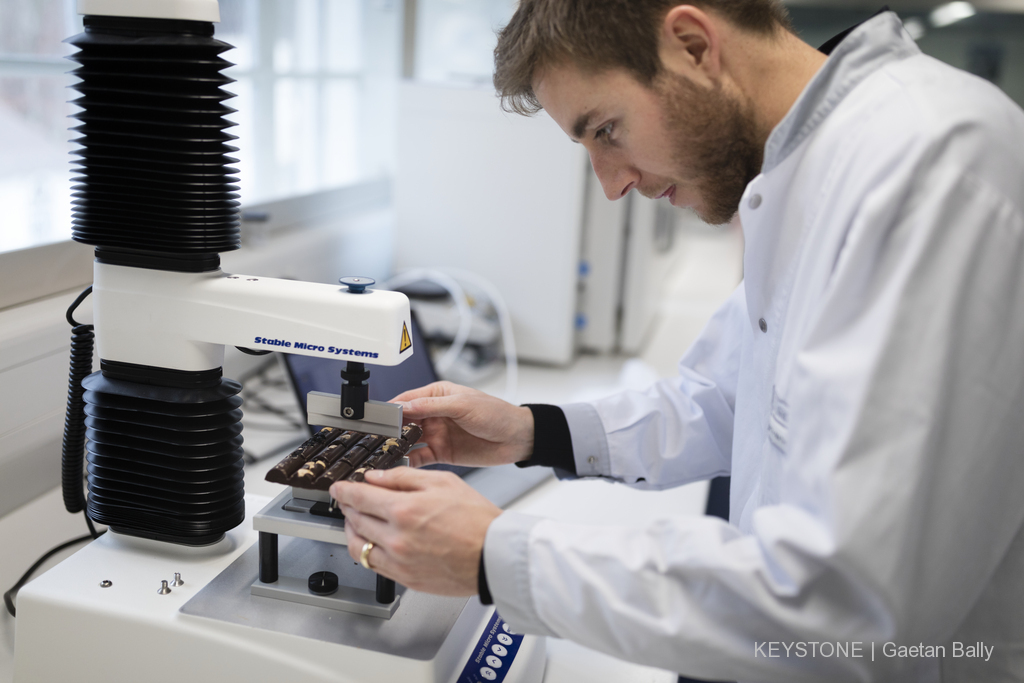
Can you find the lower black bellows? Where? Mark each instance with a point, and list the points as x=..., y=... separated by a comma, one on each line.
x=155, y=188
x=164, y=463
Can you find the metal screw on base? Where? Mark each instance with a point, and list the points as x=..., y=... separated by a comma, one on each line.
x=177, y=580
x=106, y=584
x=164, y=588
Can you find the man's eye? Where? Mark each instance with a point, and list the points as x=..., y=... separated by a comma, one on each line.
x=604, y=132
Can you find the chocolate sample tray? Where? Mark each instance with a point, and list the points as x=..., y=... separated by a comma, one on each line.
x=334, y=454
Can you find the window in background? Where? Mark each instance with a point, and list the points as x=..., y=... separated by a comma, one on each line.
x=35, y=182
x=455, y=39
x=316, y=84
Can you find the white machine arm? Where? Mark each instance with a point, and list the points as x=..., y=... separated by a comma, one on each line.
x=183, y=321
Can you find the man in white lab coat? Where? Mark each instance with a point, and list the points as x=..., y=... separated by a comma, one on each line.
x=864, y=386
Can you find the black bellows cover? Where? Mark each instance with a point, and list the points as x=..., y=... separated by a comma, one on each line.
x=154, y=188
x=163, y=462
x=155, y=191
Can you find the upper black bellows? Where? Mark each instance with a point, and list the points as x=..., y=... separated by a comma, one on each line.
x=154, y=188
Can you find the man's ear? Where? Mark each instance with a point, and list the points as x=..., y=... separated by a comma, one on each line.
x=690, y=44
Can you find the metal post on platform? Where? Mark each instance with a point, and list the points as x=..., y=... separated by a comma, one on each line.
x=268, y=558
x=385, y=590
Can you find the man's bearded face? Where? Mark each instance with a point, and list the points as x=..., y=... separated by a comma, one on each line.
x=695, y=145
x=713, y=145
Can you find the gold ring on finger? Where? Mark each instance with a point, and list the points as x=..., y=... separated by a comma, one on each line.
x=364, y=556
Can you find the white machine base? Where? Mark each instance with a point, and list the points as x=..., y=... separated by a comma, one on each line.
x=70, y=627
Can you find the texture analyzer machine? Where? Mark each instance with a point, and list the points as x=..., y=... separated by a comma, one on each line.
x=195, y=579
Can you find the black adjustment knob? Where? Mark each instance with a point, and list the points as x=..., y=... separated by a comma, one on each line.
x=323, y=583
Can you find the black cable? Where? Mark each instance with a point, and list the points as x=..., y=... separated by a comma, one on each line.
x=253, y=399
x=259, y=371
x=74, y=418
x=262, y=405
x=10, y=595
x=75, y=304
x=92, y=530
x=254, y=382
x=252, y=458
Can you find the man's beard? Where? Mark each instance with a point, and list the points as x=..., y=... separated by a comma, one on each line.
x=715, y=144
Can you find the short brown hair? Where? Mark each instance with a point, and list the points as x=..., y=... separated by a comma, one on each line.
x=601, y=34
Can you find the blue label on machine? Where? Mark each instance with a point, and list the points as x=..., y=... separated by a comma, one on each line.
x=493, y=654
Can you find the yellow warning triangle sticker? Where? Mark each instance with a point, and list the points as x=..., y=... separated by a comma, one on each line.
x=406, y=339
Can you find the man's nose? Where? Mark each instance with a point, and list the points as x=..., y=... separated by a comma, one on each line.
x=617, y=179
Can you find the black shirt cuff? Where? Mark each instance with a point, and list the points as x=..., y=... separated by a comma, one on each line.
x=552, y=441
x=481, y=583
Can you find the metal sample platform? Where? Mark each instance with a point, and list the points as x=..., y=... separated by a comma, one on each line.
x=275, y=519
x=290, y=516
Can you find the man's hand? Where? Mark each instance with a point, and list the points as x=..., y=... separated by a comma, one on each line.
x=427, y=527
x=463, y=426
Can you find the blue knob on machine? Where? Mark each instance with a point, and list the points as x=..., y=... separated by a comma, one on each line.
x=357, y=285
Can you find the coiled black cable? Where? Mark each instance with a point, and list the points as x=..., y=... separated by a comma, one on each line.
x=74, y=441
x=74, y=419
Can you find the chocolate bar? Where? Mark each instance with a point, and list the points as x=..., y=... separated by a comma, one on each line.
x=332, y=454
x=283, y=471
x=316, y=466
x=352, y=459
x=389, y=452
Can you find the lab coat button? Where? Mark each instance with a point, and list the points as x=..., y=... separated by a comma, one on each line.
x=590, y=460
x=763, y=325
x=755, y=201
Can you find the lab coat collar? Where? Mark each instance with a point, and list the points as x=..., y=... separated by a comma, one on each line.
x=772, y=236
x=869, y=47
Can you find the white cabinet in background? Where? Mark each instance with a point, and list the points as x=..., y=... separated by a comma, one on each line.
x=511, y=199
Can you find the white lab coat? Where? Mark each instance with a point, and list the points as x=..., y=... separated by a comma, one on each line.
x=874, y=432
